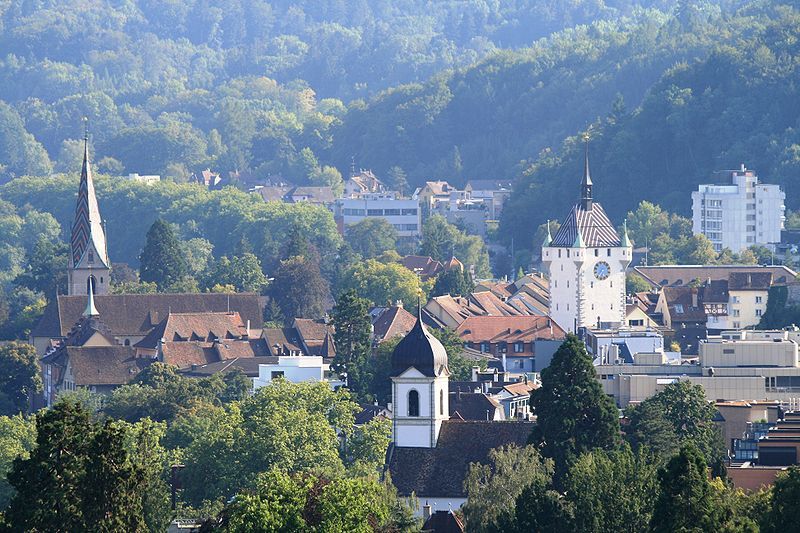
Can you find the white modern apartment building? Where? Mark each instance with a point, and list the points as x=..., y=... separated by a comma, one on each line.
x=740, y=212
x=403, y=214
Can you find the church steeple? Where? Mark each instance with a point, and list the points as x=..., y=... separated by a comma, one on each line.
x=88, y=253
x=586, y=182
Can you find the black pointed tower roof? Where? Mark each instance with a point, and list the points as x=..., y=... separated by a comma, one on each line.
x=421, y=350
x=587, y=224
x=87, y=229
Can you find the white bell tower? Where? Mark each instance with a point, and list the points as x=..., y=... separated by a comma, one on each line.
x=420, y=390
x=586, y=262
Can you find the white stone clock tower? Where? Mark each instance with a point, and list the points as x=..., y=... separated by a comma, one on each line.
x=586, y=261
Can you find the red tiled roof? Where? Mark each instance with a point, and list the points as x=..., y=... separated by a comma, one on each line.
x=196, y=327
x=524, y=328
x=393, y=322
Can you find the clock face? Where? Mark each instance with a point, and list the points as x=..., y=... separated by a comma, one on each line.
x=602, y=270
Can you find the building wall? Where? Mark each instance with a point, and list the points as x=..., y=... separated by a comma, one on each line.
x=740, y=213
x=577, y=296
x=434, y=407
x=746, y=307
x=749, y=353
x=295, y=369
x=404, y=215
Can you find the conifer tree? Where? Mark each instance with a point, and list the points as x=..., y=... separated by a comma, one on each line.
x=574, y=415
x=162, y=260
x=352, y=340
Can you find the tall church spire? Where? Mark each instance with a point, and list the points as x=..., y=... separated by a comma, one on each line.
x=88, y=258
x=586, y=182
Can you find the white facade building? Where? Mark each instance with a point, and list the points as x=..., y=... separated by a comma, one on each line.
x=295, y=369
x=403, y=214
x=739, y=213
x=586, y=262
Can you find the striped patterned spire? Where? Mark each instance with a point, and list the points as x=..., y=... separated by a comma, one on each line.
x=87, y=229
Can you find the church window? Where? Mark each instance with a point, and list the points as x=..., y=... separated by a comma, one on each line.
x=413, y=403
x=568, y=284
x=596, y=252
x=562, y=268
x=101, y=280
x=591, y=284
x=127, y=342
x=608, y=252
x=592, y=307
x=91, y=256
x=612, y=307
x=559, y=253
x=567, y=307
x=612, y=284
x=567, y=252
x=441, y=402
x=556, y=307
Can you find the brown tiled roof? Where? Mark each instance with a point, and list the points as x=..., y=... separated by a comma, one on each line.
x=438, y=188
x=521, y=388
x=472, y=406
x=137, y=314
x=241, y=349
x=679, y=300
x=311, y=331
x=186, y=354
x=440, y=471
x=491, y=304
x=716, y=292
x=85, y=329
x=248, y=365
x=197, y=327
x=681, y=275
x=316, y=195
x=99, y=365
x=424, y=266
x=273, y=194
x=739, y=281
x=509, y=328
x=393, y=322
x=287, y=339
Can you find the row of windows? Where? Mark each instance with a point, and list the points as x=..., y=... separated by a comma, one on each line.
x=502, y=347
x=379, y=212
x=406, y=227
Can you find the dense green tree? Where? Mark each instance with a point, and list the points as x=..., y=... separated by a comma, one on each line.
x=299, y=289
x=612, y=491
x=783, y=513
x=510, y=471
x=455, y=282
x=47, y=267
x=353, y=341
x=397, y=179
x=162, y=260
x=17, y=439
x=676, y=416
x=243, y=273
x=20, y=377
x=574, y=416
x=686, y=500
x=540, y=508
x=382, y=283
x=371, y=237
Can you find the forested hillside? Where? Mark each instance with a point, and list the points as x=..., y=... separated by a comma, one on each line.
x=253, y=85
x=741, y=105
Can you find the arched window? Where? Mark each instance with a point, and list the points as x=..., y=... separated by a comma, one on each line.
x=441, y=402
x=91, y=282
x=127, y=342
x=413, y=403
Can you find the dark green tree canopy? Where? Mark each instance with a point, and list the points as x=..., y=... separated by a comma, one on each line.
x=573, y=414
x=162, y=261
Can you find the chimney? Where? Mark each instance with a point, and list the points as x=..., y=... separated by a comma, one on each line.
x=247, y=331
x=749, y=279
x=426, y=512
x=694, y=297
x=504, y=361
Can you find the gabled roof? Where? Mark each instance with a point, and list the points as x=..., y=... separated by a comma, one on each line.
x=438, y=188
x=248, y=365
x=680, y=302
x=444, y=522
x=198, y=327
x=393, y=322
x=315, y=195
x=525, y=328
x=100, y=365
x=87, y=227
x=592, y=226
x=742, y=281
x=678, y=275
x=440, y=471
x=472, y=406
x=187, y=354
x=137, y=314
